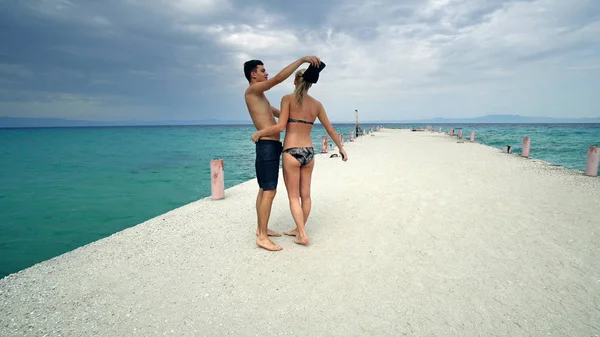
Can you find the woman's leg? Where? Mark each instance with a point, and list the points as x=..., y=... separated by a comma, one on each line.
x=291, y=176
x=305, y=180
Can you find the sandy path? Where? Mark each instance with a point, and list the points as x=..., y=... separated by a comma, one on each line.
x=416, y=234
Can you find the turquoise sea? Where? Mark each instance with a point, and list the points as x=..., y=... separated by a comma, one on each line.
x=61, y=188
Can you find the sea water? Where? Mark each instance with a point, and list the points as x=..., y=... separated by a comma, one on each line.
x=61, y=188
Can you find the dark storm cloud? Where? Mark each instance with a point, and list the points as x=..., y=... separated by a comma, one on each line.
x=171, y=59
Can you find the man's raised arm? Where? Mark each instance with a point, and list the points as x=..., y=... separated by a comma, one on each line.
x=283, y=74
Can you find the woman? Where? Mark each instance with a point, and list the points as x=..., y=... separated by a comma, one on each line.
x=298, y=113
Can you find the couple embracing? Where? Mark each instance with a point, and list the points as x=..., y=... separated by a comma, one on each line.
x=297, y=114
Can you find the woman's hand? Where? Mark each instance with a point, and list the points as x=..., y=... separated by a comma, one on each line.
x=344, y=155
x=256, y=136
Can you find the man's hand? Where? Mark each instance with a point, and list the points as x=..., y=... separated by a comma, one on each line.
x=256, y=136
x=315, y=61
x=275, y=111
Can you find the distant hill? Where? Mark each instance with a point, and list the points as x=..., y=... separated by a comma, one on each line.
x=12, y=122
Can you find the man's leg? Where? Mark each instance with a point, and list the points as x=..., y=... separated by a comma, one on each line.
x=259, y=198
x=264, y=212
x=267, y=172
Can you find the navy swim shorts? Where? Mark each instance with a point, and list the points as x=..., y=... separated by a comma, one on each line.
x=268, y=154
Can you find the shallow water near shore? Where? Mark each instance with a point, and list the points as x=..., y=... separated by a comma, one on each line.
x=62, y=188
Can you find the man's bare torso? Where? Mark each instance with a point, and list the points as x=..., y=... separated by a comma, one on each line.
x=260, y=111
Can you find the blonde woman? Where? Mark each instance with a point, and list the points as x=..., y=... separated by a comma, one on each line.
x=298, y=114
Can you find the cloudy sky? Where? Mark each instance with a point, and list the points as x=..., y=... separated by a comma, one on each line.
x=182, y=59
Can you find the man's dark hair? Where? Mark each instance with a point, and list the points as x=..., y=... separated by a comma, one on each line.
x=250, y=66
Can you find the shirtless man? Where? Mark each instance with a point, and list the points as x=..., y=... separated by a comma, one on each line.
x=268, y=149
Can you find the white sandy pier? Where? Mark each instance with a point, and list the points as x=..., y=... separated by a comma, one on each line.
x=415, y=235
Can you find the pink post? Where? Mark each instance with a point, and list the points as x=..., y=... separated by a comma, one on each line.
x=472, y=136
x=217, y=179
x=351, y=135
x=593, y=157
x=526, y=147
x=324, y=145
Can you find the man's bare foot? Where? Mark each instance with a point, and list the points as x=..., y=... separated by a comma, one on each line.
x=301, y=239
x=267, y=244
x=269, y=233
x=293, y=232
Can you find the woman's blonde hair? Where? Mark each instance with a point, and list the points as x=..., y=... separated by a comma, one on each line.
x=301, y=86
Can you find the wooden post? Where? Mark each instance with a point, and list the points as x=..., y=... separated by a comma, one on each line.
x=324, y=145
x=217, y=179
x=472, y=136
x=526, y=147
x=593, y=158
x=351, y=135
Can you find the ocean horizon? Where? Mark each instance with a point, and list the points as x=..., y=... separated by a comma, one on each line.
x=64, y=187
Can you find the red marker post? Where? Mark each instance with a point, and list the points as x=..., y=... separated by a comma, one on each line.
x=593, y=157
x=217, y=179
x=526, y=147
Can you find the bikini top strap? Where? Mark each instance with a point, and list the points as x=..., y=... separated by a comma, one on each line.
x=294, y=120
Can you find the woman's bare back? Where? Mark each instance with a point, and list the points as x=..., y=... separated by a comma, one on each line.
x=300, y=120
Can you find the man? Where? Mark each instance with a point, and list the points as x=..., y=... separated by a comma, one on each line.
x=268, y=149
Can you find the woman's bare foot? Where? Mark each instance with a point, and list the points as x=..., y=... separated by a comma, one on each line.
x=267, y=244
x=269, y=233
x=293, y=232
x=301, y=239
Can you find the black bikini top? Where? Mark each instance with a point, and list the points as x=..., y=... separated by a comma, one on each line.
x=294, y=120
